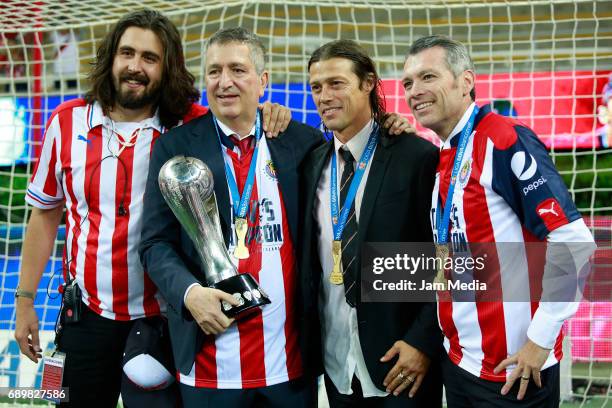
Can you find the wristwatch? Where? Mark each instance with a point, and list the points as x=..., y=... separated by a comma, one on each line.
x=23, y=293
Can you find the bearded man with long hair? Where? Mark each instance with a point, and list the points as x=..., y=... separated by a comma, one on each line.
x=94, y=162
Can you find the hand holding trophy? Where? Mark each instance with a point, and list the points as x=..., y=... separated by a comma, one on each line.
x=187, y=185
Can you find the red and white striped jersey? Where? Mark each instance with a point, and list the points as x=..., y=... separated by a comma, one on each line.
x=103, y=189
x=505, y=180
x=262, y=349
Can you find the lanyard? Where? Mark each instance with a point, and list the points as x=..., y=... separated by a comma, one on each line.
x=241, y=204
x=338, y=223
x=463, y=141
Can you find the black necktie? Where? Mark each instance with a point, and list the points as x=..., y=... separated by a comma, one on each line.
x=349, y=235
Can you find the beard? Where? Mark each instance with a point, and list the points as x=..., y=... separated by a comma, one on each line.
x=131, y=99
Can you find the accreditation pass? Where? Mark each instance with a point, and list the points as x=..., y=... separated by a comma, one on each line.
x=52, y=375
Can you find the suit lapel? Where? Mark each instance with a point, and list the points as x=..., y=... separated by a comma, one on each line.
x=311, y=179
x=313, y=174
x=380, y=162
x=205, y=146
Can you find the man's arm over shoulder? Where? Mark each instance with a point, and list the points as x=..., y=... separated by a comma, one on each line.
x=161, y=232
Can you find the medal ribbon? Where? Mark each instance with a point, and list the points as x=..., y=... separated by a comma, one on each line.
x=241, y=204
x=461, y=147
x=340, y=222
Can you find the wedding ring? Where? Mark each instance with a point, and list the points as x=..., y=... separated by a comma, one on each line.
x=410, y=379
x=525, y=378
x=401, y=376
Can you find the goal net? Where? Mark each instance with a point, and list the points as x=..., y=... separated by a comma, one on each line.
x=545, y=62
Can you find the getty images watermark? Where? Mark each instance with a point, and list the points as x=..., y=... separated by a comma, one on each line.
x=510, y=272
x=411, y=265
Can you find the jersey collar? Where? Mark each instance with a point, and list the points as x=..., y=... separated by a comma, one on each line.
x=453, y=141
x=96, y=117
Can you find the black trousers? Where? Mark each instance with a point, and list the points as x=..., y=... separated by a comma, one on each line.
x=300, y=393
x=464, y=390
x=429, y=396
x=94, y=350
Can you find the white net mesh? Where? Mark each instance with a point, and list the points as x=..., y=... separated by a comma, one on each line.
x=547, y=62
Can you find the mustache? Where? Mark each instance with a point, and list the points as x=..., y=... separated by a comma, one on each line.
x=134, y=77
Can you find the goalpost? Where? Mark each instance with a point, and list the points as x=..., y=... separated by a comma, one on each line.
x=545, y=62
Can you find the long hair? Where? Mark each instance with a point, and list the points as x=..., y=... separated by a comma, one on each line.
x=363, y=67
x=177, y=90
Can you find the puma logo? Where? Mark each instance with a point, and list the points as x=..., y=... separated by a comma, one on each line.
x=83, y=138
x=551, y=210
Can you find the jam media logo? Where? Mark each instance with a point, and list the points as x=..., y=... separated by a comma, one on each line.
x=519, y=166
x=270, y=170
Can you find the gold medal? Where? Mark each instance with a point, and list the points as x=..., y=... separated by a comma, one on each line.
x=442, y=253
x=241, y=251
x=336, y=275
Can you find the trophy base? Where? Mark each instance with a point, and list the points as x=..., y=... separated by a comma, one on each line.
x=245, y=289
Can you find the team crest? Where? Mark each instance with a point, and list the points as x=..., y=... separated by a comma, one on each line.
x=269, y=170
x=464, y=173
x=362, y=166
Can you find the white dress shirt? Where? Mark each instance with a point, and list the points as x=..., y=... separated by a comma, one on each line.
x=342, y=354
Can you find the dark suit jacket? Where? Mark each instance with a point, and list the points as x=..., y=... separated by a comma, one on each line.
x=395, y=208
x=166, y=251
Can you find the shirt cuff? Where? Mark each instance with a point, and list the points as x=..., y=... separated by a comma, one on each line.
x=544, y=329
x=37, y=198
x=187, y=291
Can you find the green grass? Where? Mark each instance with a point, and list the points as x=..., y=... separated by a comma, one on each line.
x=13, y=184
x=587, y=174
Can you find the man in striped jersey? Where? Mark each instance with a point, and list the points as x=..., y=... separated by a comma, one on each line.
x=496, y=185
x=95, y=159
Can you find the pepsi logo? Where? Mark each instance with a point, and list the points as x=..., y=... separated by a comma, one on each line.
x=520, y=167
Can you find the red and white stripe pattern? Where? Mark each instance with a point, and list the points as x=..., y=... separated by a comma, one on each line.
x=479, y=335
x=261, y=350
x=77, y=166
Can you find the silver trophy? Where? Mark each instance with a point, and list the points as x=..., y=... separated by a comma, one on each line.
x=187, y=185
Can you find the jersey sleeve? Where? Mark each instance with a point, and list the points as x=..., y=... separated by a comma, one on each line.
x=525, y=176
x=45, y=187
